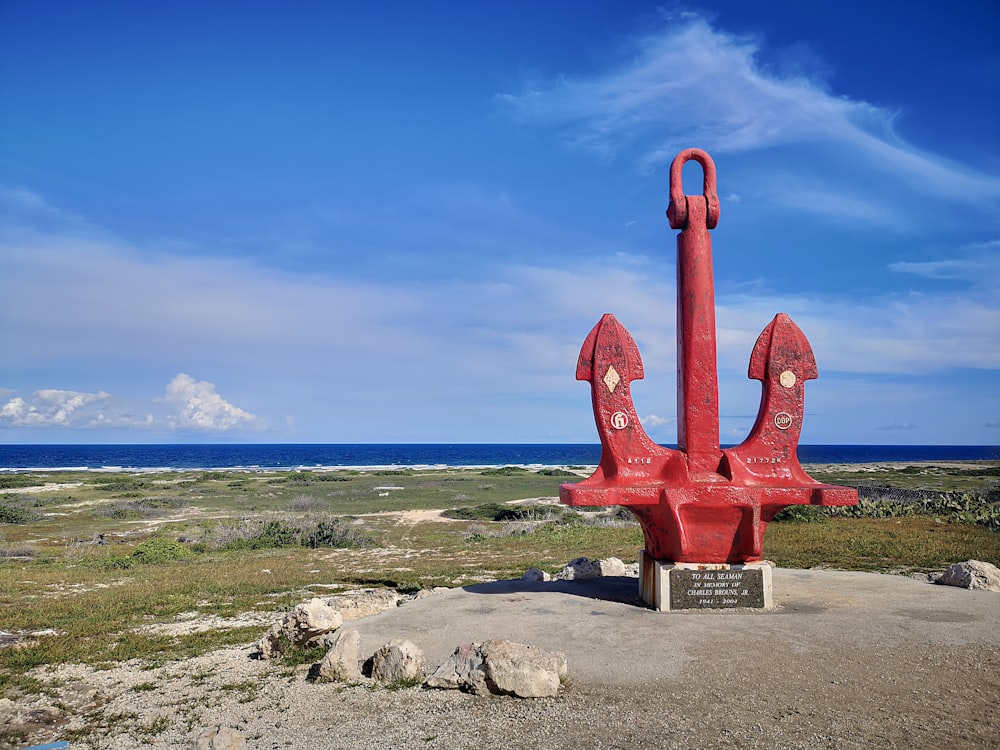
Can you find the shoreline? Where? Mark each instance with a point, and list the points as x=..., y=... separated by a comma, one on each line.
x=532, y=467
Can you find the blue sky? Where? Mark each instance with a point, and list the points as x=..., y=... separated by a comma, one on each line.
x=397, y=222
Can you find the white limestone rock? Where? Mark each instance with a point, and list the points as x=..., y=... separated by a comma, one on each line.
x=397, y=661
x=341, y=663
x=219, y=738
x=501, y=668
x=354, y=605
x=578, y=569
x=972, y=574
x=582, y=568
x=464, y=670
x=521, y=670
x=610, y=566
x=303, y=626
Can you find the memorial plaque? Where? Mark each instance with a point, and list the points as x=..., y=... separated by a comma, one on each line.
x=716, y=589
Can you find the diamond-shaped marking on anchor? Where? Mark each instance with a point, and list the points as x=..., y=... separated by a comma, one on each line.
x=611, y=378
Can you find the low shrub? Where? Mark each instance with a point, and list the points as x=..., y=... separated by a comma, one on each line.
x=159, y=550
x=10, y=551
x=504, y=471
x=485, y=512
x=802, y=514
x=16, y=514
x=15, y=481
x=957, y=507
x=277, y=533
x=334, y=533
x=118, y=484
x=142, y=508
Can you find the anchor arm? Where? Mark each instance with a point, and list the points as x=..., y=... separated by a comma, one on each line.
x=782, y=360
x=610, y=361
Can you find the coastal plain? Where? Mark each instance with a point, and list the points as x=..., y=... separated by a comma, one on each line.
x=130, y=600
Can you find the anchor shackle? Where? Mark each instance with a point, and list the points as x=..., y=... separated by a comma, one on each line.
x=677, y=212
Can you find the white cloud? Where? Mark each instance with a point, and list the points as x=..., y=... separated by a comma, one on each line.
x=51, y=407
x=202, y=408
x=689, y=83
x=192, y=405
x=978, y=263
x=321, y=345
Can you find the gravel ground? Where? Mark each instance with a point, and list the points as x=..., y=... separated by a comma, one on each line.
x=845, y=660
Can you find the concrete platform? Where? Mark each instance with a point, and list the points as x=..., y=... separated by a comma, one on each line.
x=610, y=637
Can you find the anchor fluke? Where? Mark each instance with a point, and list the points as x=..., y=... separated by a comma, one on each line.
x=782, y=346
x=609, y=343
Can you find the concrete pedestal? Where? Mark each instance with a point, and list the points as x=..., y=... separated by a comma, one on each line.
x=667, y=586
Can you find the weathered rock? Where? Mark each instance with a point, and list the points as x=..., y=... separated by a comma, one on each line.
x=535, y=574
x=397, y=661
x=353, y=605
x=581, y=568
x=522, y=670
x=219, y=738
x=341, y=663
x=578, y=569
x=501, y=668
x=611, y=566
x=972, y=574
x=303, y=626
x=464, y=670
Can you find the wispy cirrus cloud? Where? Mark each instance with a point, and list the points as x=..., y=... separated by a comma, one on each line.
x=977, y=263
x=690, y=83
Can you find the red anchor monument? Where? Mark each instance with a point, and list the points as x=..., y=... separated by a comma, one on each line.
x=703, y=508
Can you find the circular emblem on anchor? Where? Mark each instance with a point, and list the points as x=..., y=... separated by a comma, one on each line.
x=619, y=420
x=782, y=420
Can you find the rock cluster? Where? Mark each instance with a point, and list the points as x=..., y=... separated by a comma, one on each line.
x=495, y=667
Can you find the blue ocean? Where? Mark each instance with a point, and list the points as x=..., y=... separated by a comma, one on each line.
x=297, y=456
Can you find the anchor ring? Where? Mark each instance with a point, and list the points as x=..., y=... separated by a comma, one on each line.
x=677, y=213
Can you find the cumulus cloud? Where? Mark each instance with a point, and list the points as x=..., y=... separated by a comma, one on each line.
x=189, y=404
x=200, y=407
x=51, y=407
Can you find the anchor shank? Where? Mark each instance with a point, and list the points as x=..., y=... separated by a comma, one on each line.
x=697, y=375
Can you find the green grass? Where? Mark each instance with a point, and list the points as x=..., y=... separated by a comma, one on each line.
x=880, y=544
